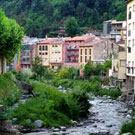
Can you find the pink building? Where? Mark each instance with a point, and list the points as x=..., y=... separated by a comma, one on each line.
x=71, y=49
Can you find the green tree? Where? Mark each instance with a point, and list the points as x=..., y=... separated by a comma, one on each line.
x=72, y=27
x=11, y=35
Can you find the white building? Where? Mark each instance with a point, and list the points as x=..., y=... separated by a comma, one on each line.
x=130, y=46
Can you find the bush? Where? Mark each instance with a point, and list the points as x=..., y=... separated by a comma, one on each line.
x=114, y=94
x=9, y=92
x=53, y=107
x=128, y=127
x=26, y=73
x=68, y=73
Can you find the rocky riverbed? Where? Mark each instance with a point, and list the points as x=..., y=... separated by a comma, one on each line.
x=106, y=118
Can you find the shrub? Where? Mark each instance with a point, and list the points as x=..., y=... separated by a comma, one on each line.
x=68, y=73
x=112, y=93
x=52, y=106
x=128, y=127
x=9, y=92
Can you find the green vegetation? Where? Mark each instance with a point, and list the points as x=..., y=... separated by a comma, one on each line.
x=54, y=108
x=11, y=35
x=72, y=27
x=128, y=128
x=9, y=92
x=41, y=17
x=91, y=69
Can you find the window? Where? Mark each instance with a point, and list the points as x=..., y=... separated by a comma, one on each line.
x=40, y=53
x=132, y=70
x=129, y=49
x=128, y=70
x=43, y=47
x=40, y=48
x=85, y=58
x=89, y=51
x=129, y=15
x=81, y=51
x=81, y=59
x=90, y=58
x=129, y=32
x=85, y=51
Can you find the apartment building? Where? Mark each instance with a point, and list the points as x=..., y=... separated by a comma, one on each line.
x=130, y=72
x=96, y=51
x=71, y=49
x=113, y=30
x=50, y=51
x=116, y=28
x=28, y=52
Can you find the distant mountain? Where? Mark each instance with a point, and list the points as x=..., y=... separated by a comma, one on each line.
x=40, y=17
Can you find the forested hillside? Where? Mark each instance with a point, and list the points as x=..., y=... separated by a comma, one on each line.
x=40, y=17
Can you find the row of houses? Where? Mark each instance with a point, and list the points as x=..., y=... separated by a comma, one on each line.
x=65, y=52
x=123, y=61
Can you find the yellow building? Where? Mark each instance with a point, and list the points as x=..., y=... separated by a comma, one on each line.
x=56, y=54
x=50, y=51
x=85, y=54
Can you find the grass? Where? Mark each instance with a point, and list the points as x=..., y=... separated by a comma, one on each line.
x=128, y=128
x=53, y=107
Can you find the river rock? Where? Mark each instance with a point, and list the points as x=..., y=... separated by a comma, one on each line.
x=63, y=128
x=123, y=111
x=74, y=122
x=38, y=123
x=127, y=134
x=128, y=116
x=56, y=130
x=60, y=88
x=117, y=133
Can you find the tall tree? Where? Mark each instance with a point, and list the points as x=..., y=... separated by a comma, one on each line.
x=11, y=35
x=72, y=27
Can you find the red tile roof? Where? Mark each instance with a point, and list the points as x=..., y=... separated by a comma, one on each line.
x=92, y=43
x=80, y=38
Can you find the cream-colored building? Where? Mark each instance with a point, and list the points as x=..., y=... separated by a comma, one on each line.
x=122, y=60
x=85, y=54
x=56, y=54
x=50, y=51
x=130, y=72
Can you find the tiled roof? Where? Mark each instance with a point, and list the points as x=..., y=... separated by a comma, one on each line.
x=92, y=43
x=52, y=41
x=80, y=38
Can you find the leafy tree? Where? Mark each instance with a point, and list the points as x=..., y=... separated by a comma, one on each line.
x=72, y=27
x=39, y=16
x=11, y=35
x=39, y=70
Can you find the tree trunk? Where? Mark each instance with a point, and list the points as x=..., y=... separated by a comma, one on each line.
x=2, y=65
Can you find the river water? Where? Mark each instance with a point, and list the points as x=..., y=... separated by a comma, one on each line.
x=106, y=118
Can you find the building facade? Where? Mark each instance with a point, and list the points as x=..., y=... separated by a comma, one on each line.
x=130, y=72
x=50, y=51
x=71, y=49
x=28, y=52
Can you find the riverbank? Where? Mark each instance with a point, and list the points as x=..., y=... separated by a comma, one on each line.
x=106, y=118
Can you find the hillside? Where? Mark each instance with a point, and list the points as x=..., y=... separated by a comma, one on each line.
x=40, y=17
